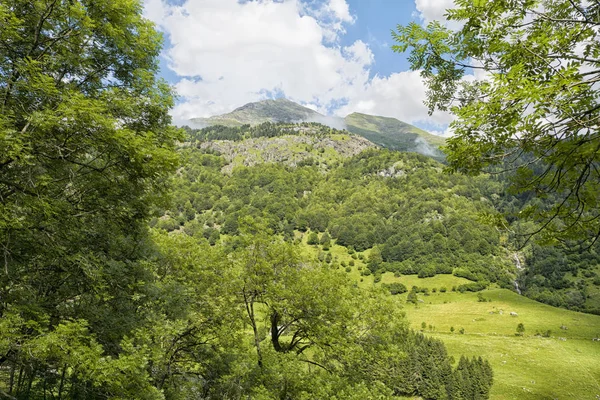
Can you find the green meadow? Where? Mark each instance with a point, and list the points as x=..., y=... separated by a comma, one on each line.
x=565, y=365
x=555, y=358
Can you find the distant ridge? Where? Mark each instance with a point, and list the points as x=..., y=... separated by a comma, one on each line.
x=394, y=134
x=279, y=110
x=382, y=131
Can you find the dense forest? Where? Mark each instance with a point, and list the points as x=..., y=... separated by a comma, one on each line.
x=419, y=219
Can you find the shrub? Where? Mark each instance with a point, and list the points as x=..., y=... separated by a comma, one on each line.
x=412, y=296
x=427, y=272
x=472, y=287
x=464, y=273
x=395, y=288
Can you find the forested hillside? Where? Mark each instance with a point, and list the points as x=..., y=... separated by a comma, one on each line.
x=561, y=273
x=420, y=220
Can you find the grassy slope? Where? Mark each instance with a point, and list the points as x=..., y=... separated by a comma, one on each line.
x=527, y=367
x=389, y=132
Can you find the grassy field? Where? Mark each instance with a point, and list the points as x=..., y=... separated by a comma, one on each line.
x=565, y=365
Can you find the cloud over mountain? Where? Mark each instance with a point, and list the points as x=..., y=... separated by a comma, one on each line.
x=226, y=53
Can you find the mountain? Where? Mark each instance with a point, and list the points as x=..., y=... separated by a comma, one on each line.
x=279, y=110
x=394, y=134
x=383, y=131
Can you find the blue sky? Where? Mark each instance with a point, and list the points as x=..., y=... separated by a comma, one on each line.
x=374, y=21
x=330, y=55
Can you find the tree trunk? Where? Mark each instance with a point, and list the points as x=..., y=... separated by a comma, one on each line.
x=250, y=310
x=275, y=332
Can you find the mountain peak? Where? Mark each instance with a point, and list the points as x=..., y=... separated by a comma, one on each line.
x=271, y=110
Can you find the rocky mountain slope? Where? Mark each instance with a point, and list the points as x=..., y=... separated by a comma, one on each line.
x=300, y=144
x=382, y=131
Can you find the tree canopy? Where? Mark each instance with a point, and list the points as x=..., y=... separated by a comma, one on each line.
x=85, y=145
x=522, y=78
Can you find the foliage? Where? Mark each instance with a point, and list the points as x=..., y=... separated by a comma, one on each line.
x=250, y=321
x=472, y=287
x=537, y=96
x=395, y=288
x=85, y=146
x=418, y=220
x=412, y=296
x=560, y=275
x=473, y=379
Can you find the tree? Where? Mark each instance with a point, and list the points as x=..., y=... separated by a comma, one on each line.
x=325, y=241
x=520, y=329
x=412, y=296
x=85, y=146
x=532, y=106
x=313, y=238
x=375, y=260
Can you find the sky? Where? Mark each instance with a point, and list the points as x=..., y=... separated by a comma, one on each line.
x=333, y=56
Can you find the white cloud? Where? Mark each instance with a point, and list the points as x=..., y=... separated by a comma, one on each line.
x=341, y=10
x=226, y=53
x=400, y=96
x=433, y=10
